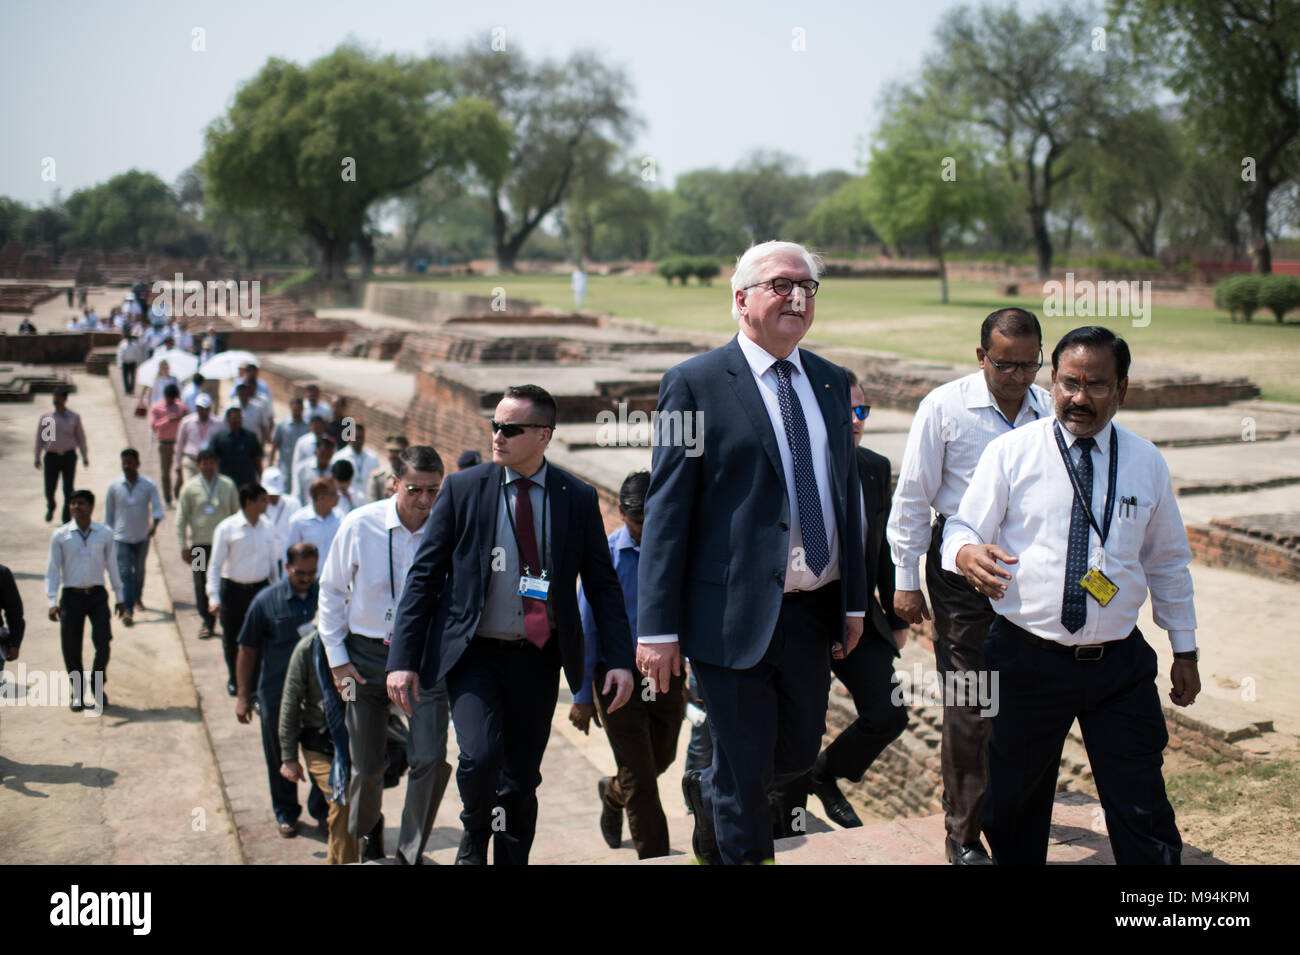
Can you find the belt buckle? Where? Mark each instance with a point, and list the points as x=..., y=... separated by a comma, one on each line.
x=1090, y=653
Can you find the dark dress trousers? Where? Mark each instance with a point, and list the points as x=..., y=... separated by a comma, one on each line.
x=503, y=694
x=868, y=672
x=713, y=559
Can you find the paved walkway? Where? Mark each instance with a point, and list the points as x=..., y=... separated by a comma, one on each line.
x=139, y=784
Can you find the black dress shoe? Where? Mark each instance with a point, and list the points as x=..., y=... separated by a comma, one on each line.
x=74, y=704
x=838, y=809
x=288, y=829
x=473, y=848
x=372, y=844
x=49, y=514
x=704, y=842
x=232, y=689
x=611, y=819
x=966, y=855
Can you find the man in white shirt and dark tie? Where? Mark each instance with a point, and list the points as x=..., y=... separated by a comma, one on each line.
x=81, y=552
x=951, y=429
x=247, y=551
x=1065, y=526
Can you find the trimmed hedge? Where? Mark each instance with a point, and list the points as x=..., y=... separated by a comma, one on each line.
x=1243, y=295
x=683, y=267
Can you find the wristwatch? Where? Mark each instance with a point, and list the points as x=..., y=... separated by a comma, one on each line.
x=1192, y=655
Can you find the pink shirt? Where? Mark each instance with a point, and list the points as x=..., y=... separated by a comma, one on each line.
x=193, y=434
x=165, y=419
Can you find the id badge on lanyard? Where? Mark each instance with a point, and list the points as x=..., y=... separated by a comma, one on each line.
x=1095, y=582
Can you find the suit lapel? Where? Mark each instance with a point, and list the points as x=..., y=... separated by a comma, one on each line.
x=748, y=398
x=488, y=499
x=557, y=484
x=823, y=386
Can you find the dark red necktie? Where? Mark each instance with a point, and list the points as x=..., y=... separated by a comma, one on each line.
x=537, y=627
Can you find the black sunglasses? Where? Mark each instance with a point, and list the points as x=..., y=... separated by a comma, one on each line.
x=861, y=411
x=514, y=430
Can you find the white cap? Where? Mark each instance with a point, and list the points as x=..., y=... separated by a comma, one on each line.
x=204, y=400
x=273, y=481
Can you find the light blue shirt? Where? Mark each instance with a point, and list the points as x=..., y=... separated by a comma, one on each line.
x=626, y=555
x=129, y=509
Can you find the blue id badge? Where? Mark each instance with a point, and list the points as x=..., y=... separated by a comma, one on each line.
x=534, y=587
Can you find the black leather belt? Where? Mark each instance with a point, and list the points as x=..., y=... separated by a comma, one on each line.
x=238, y=586
x=1090, y=652
x=84, y=590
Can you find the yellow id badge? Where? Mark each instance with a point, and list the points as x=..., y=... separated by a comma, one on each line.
x=1099, y=585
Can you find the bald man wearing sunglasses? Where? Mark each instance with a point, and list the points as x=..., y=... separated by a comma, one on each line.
x=491, y=605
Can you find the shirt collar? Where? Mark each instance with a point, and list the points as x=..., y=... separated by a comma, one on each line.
x=623, y=540
x=979, y=396
x=539, y=478
x=392, y=520
x=1102, y=437
x=760, y=360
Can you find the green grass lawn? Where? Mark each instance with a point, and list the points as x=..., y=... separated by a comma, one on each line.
x=904, y=317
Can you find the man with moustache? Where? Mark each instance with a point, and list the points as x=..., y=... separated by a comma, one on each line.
x=1066, y=524
x=751, y=555
x=952, y=426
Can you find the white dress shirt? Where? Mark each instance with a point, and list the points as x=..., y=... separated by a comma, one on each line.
x=303, y=451
x=320, y=408
x=358, y=594
x=306, y=525
x=760, y=363
x=1021, y=499
x=363, y=465
x=279, y=512
x=130, y=509
x=78, y=560
x=194, y=433
x=953, y=425
x=258, y=418
x=244, y=553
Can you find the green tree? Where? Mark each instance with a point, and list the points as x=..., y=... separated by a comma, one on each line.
x=1036, y=87
x=922, y=176
x=1237, y=65
x=134, y=210
x=317, y=146
x=556, y=111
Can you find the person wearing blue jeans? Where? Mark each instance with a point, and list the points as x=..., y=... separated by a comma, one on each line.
x=132, y=510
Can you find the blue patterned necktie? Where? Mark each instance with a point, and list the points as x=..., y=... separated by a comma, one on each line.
x=816, y=551
x=1074, y=604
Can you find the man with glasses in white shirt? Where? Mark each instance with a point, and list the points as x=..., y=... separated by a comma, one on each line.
x=361, y=585
x=1065, y=526
x=952, y=427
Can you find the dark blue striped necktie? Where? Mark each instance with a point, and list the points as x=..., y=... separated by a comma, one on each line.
x=816, y=550
x=1074, y=605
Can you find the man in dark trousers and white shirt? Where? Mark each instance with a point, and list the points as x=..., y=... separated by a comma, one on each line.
x=951, y=429
x=1066, y=524
x=81, y=552
x=752, y=552
x=491, y=605
x=361, y=584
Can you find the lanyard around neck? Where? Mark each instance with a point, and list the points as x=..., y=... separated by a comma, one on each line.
x=541, y=555
x=1102, y=532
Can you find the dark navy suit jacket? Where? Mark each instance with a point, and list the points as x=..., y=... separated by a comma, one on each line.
x=447, y=584
x=717, y=524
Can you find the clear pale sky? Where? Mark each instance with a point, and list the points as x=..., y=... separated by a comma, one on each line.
x=104, y=87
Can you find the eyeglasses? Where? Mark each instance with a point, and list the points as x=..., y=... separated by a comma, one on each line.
x=416, y=490
x=514, y=430
x=1007, y=367
x=783, y=286
x=1095, y=389
x=861, y=411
